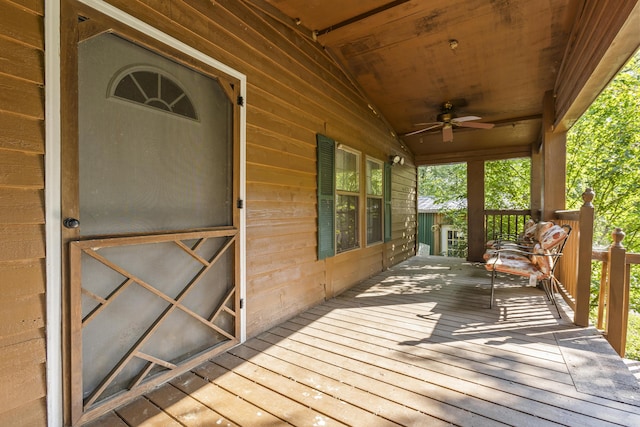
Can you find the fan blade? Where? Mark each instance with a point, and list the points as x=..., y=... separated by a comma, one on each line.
x=466, y=118
x=447, y=134
x=415, y=132
x=476, y=125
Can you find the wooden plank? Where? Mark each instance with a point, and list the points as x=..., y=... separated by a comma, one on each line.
x=35, y=6
x=15, y=357
x=269, y=138
x=33, y=413
x=21, y=25
x=263, y=211
x=20, y=133
x=21, y=206
x=326, y=379
x=20, y=61
x=21, y=242
x=22, y=278
x=21, y=387
x=266, y=174
x=261, y=396
x=185, y=409
x=21, y=97
x=21, y=315
x=239, y=411
x=307, y=396
x=141, y=413
x=21, y=170
x=280, y=159
x=109, y=420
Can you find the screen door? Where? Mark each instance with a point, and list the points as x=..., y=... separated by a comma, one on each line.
x=154, y=265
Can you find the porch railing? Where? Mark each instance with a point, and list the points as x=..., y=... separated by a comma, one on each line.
x=574, y=268
x=501, y=222
x=613, y=301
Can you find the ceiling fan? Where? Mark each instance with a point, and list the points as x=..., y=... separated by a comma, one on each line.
x=447, y=120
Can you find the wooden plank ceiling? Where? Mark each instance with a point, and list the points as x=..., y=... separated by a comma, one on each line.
x=507, y=55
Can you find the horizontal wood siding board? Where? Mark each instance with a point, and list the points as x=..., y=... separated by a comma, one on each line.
x=265, y=137
x=282, y=278
x=15, y=357
x=22, y=25
x=21, y=387
x=32, y=413
x=21, y=61
x=266, y=309
x=281, y=227
x=281, y=193
x=21, y=133
x=21, y=206
x=21, y=242
x=21, y=315
x=34, y=6
x=21, y=97
x=22, y=278
x=260, y=173
x=21, y=170
x=281, y=243
x=270, y=157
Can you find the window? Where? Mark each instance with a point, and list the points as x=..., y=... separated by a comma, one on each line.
x=347, y=199
x=374, y=201
x=339, y=199
x=150, y=87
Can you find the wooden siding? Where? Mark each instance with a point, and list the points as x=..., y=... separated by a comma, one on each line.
x=22, y=240
x=294, y=92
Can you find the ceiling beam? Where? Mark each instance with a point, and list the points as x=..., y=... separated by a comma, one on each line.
x=501, y=153
x=360, y=17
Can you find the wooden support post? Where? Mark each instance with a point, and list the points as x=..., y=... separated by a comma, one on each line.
x=554, y=149
x=585, y=248
x=618, y=301
x=475, y=210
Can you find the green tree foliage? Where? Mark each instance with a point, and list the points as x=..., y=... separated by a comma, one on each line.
x=603, y=152
x=443, y=182
x=507, y=184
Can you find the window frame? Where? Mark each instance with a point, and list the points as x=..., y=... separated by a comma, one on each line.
x=357, y=194
x=372, y=196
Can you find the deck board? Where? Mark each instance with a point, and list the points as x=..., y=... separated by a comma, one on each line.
x=415, y=345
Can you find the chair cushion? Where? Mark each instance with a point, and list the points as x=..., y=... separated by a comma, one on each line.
x=541, y=259
x=552, y=236
x=541, y=228
x=514, y=264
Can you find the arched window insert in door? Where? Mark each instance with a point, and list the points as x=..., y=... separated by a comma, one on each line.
x=153, y=88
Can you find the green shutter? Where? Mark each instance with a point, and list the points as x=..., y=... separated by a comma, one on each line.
x=326, y=196
x=387, y=202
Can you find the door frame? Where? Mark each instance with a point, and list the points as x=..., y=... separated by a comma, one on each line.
x=53, y=159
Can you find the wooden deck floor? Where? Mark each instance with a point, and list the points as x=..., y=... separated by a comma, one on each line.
x=416, y=345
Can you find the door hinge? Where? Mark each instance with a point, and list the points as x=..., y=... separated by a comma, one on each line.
x=241, y=303
x=241, y=100
x=240, y=204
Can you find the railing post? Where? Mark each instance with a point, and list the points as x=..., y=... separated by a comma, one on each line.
x=585, y=248
x=618, y=301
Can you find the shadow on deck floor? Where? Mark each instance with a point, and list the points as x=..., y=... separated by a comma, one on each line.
x=414, y=345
